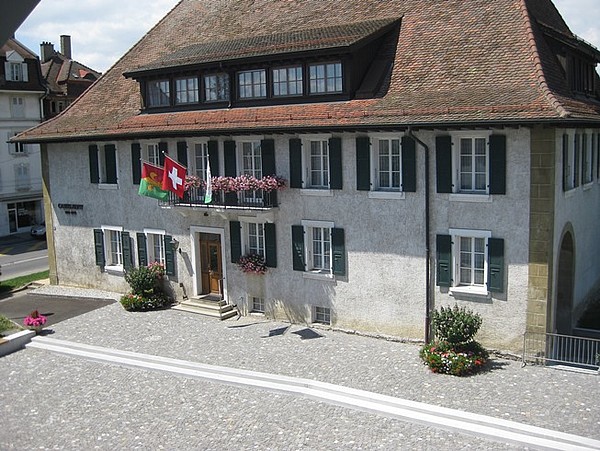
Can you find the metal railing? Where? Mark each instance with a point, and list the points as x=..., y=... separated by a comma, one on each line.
x=548, y=348
x=195, y=197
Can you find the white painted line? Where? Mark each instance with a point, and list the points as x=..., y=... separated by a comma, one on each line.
x=433, y=416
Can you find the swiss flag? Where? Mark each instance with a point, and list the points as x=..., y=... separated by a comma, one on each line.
x=174, y=177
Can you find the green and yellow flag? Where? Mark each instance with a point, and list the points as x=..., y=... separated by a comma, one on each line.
x=150, y=184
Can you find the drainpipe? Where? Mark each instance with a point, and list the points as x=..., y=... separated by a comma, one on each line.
x=428, y=285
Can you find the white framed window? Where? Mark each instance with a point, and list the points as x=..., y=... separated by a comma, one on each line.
x=15, y=67
x=470, y=260
x=153, y=154
x=250, y=158
x=113, y=247
x=158, y=93
x=472, y=165
x=186, y=90
x=155, y=245
x=318, y=246
x=18, y=149
x=22, y=178
x=17, y=107
x=216, y=88
x=253, y=236
x=252, y=84
x=258, y=305
x=287, y=81
x=325, y=78
x=322, y=315
x=108, y=165
x=201, y=159
x=316, y=162
x=16, y=72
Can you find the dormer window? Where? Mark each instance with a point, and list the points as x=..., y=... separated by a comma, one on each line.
x=287, y=81
x=252, y=84
x=186, y=90
x=158, y=93
x=216, y=88
x=325, y=78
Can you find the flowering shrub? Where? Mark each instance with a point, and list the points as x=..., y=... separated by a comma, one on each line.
x=146, y=290
x=240, y=183
x=34, y=320
x=252, y=263
x=455, y=352
x=459, y=360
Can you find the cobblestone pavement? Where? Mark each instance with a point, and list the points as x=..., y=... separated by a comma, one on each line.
x=50, y=401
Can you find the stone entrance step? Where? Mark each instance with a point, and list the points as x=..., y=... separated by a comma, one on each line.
x=208, y=306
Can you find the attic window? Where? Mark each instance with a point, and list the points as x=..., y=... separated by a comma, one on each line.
x=325, y=78
x=158, y=93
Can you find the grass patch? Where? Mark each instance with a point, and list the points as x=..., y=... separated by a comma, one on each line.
x=18, y=282
x=6, y=325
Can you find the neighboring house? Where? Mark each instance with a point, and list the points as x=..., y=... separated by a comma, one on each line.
x=65, y=78
x=435, y=152
x=21, y=92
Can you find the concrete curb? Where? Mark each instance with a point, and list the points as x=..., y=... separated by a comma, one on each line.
x=454, y=420
x=16, y=341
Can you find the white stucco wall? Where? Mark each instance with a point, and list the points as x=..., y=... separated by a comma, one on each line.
x=578, y=210
x=384, y=289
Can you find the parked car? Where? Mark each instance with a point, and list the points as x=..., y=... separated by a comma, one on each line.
x=39, y=230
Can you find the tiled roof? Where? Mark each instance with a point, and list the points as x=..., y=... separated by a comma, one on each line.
x=59, y=71
x=336, y=36
x=456, y=62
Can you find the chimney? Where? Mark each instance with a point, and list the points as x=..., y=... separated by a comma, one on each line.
x=65, y=45
x=46, y=51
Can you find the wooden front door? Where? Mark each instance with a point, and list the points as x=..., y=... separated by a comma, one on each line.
x=212, y=269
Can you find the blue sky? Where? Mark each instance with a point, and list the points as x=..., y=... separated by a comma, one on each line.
x=103, y=30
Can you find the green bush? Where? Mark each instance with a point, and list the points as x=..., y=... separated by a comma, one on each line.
x=454, y=351
x=455, y=325
x=146, y=289
x=142, y=280
x=6, y=324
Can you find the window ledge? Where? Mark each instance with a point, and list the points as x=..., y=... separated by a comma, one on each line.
x=108, y=186
x=318, y=276
x=316, y=192
x=570, y=193
x=463, y=197
x=588, y=185
x=471, y=291
x=386, y=195
x=114, y=270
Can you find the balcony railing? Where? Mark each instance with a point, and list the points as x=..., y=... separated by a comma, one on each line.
x=196, y=197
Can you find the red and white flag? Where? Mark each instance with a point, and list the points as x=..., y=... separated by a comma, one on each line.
x=174, y=177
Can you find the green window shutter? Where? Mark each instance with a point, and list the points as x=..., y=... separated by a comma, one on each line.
x=182, y=153
x=576, y=163
x=126, y=246
x=235, y=238
x=565, y=162
x=295, y=163
x=230, y=165
x=94, y=168
x=270, y=245
x=136, y=163
x=335, y=163
x=110, y=155
x=338, y=250
x=141, y=247
x=298, y=259
x=267, y=149
x=409, y=165
x=443, y=164
x=163, y=149
x=169, y=256
x=497, y=164
x=496, y=265
x=230, y=170
x=213, y=157
x=363, y=163
x=444, y=260
x=99, y=247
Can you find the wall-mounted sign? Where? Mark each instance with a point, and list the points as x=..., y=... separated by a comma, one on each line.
x=70, y=206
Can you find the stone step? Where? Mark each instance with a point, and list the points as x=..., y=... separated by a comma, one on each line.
x=220, y=310
x=205, y=303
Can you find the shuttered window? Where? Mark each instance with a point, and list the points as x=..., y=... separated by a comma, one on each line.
x=103, y=164
x=319, y=248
